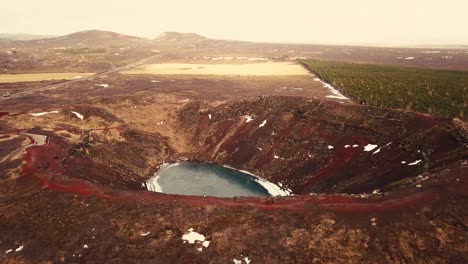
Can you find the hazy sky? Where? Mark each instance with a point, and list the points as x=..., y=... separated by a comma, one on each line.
x=305, y=21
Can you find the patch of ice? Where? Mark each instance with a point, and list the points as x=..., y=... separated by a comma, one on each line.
x=414, y=163
x=80, y=116
x=145, y=234
x=263, y=123
x=273, y=189
x=44, y=113
x=370, y=147
x=248, y=118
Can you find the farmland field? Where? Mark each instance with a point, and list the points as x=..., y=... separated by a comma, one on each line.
x=438, y=92
x=258, y=69
x=34, y=77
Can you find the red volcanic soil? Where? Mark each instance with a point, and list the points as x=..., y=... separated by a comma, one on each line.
x=81, y=203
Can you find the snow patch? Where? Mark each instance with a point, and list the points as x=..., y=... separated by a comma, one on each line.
x=263, y=123
x=145, y=234
x=209, y=116
x=80, y=116
x=330, y=147
x=409, y=58
x=105, y=85
x=370, y=147
x=44, y=113
x=334, y=92
x=273, y=189
x=248, y=118
x=414, y=163
x=191, y=237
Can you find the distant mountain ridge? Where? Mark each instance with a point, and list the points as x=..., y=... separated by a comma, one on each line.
x=22, y=37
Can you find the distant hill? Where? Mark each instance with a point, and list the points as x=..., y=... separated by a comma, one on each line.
x=20, y=37
x=179, y=37
x=89, y=38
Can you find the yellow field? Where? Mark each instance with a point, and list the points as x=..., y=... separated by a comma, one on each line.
x=258, y=69
x=34, y=77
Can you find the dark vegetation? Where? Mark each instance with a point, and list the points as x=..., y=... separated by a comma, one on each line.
x=437, y=92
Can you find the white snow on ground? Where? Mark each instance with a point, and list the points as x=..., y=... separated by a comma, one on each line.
x=409, y=58
x=378, y=150
x=44, y=113
x=355, y=146
x=145, y=234
x=248, y=118
x=335, y=93
x=105, y=85
x=85, y=246
x=8, y=251
x=370, y=147
x=209, y=116
x=80, y=116
x=347, y=146
x=330, y=147
x=19, y=248
x=403, y=162
x=273, y=189
x=237, y=261
x=263, y=123
x=276, y=156
x=191, y=237
x=414, y=163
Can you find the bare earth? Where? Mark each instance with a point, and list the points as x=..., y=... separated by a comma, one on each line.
x=73, y=160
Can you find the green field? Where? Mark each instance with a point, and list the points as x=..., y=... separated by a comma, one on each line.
x=437, y=92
